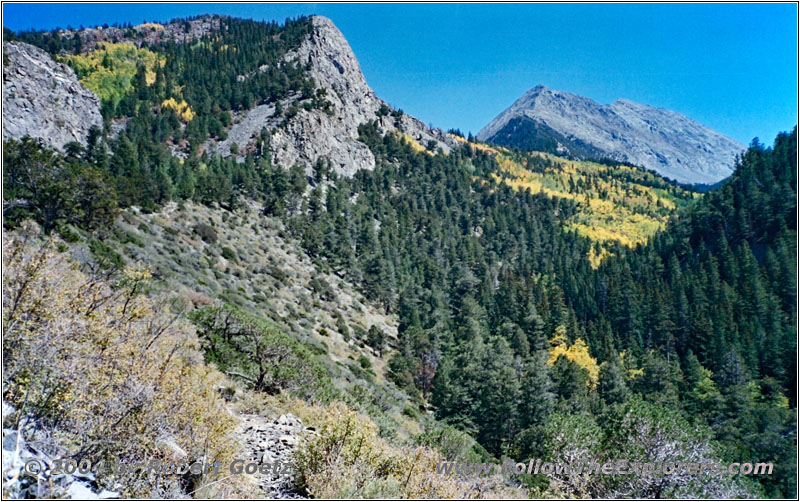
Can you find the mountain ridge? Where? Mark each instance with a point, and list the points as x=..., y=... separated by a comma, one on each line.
x=663, y=140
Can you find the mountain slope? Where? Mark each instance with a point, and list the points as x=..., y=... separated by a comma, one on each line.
x=662, y=140
x=488, y=316
x=309, y=134
x=615, y=204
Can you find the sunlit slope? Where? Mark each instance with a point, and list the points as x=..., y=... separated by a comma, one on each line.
x=111, y=70
x=616, y=203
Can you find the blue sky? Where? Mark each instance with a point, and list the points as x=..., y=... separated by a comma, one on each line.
x=732, y=67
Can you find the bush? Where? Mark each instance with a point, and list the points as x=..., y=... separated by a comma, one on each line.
x=346, y=458
x=112, y=374
x=256, y=351
x=453, y=444
x=278, y=274
x=105, y=255
x=323, y=289
x=206, y=232
x=229, y=254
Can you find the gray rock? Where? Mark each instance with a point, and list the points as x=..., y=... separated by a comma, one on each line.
x=43, y=99
x=10, y=440
x=654, y=138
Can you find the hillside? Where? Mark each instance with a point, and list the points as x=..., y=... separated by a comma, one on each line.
x=615, y=204
x=661, y=140
x=257, y=255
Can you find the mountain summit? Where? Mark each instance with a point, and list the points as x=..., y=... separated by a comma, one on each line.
x=667, y=142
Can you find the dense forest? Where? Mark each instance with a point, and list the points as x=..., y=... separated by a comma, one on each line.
x=503, y=321
x=506, y=329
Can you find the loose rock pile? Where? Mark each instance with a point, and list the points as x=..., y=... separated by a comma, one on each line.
x=273, y=441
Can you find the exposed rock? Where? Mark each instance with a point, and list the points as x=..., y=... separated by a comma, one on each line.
x=271, y=444
x=662, y=140
x=43, y=99
x=20, y=477
x=146, y=34
x=313, y=133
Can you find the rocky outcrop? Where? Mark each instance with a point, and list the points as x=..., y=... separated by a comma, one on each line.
x=662, y=140
x=43, y=99
x=314, y=133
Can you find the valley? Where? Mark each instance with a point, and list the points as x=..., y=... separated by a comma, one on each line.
x=259, y=253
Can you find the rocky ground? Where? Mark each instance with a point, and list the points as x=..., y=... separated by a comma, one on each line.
x=23, y=445
x=264, y=440
x=272, y=441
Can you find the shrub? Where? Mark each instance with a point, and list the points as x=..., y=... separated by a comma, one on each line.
x=229, y=254
x=109, y=373
x=412, y=413
x=105, y=255
x=341, y=327
x=254, y=350
x=206, y=232
x=323, y=289
x=346, y=458
x=453, y=444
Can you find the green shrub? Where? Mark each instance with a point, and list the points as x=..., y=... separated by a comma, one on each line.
x=68, y=235
x=453, y=444
x=412, y=413
x=254, y=350
x=229, y=254
x=206, y=232
x=105, y=255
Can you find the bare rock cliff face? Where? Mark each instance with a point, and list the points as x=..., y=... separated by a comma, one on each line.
x=662, y=140
x=312, y=134
x=43, y=99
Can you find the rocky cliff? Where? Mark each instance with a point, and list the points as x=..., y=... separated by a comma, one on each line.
x=43, y=99
x=313, y=133
x=662, y=140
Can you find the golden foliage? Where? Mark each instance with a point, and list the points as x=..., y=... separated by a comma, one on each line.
x=109, y=70
x=578, y=353
x=629, y=364
x=616, y=204
x=182, y=108
x=116, y=374
x=413, y=143
x=149, y=27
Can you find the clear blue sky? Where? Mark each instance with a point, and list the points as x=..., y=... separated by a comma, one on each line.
x=732, y=67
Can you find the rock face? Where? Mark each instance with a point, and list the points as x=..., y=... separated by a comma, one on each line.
x=43, y=99
x=662, y=140
x=313, y=133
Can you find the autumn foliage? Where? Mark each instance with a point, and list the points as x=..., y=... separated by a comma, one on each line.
x=103, y=371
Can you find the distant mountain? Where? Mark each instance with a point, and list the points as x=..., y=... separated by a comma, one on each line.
x=667, y=142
